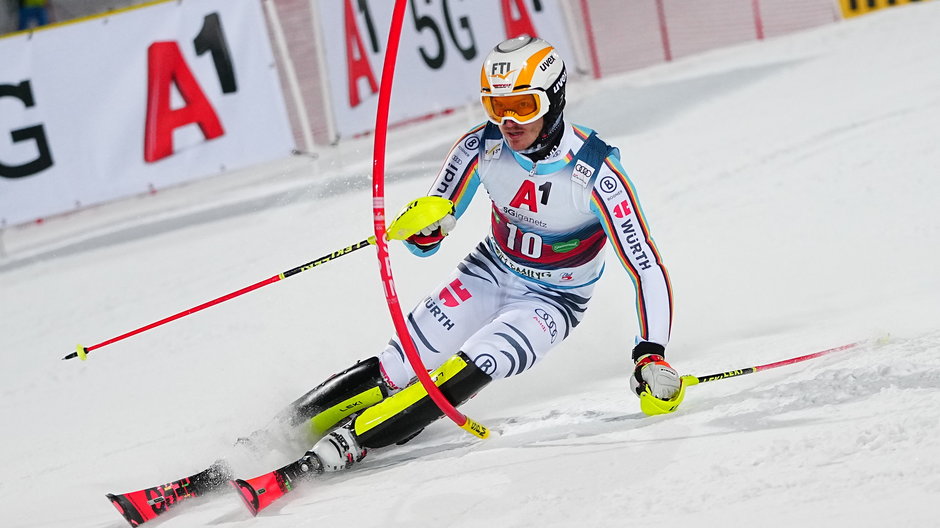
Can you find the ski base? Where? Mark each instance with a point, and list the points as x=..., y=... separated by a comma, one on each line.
x=138, y=507
x=259, y=492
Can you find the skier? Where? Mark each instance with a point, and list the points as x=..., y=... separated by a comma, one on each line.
x=559, y=195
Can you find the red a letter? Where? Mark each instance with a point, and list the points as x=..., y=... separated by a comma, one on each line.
x=516, y=26
x=525, y=196
x=165, y=65
x=356, y=68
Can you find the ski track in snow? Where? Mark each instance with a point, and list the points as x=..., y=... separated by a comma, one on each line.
x=791, y=186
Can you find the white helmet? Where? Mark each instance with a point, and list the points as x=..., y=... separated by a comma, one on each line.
x=523, y=79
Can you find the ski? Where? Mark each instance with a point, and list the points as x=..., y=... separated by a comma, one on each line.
x=138, y=507
x=259, y=492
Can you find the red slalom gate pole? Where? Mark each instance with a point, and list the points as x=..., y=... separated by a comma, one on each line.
x=378, y=219
x=695, y=380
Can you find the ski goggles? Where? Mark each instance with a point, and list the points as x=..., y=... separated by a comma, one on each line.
x=521, y=107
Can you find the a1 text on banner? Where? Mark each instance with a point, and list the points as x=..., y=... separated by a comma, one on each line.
x=140, y=100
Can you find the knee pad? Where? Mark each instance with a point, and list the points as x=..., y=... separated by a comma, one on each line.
x=340, y=396
x=402, y=416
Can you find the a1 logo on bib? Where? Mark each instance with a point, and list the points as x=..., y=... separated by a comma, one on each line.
x=582, y=173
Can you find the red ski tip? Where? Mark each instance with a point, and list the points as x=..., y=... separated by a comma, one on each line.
x=248, y=495
x=129, y=511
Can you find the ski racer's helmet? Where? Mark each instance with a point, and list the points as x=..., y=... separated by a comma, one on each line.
x=523, y=79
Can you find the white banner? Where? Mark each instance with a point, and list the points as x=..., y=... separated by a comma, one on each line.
x=115, y=106
x=442, y=48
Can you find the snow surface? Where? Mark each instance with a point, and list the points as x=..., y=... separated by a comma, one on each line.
x=791, y=186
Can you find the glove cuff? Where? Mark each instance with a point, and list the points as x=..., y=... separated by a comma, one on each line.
x=426, y=242
x=644, y=348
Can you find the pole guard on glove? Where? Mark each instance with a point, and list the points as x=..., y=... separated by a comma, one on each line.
x=654, y=381
x=652, y=406
x=419, y=215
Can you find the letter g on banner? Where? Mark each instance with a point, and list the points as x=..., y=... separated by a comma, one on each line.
x=36, y=133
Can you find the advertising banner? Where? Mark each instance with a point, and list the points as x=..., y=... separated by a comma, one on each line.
x=851, y=8
x=442, y=48
x=146, y=98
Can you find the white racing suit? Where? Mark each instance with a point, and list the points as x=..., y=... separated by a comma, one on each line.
x=522, y=290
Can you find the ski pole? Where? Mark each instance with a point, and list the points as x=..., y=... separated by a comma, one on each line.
x=81, y=352
x=653, y=406
x=695, y=380
x=416, y=216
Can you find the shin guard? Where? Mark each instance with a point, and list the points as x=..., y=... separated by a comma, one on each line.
x=401, y=416
x=340, y=396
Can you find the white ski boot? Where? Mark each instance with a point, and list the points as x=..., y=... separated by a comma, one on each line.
x=339, y=449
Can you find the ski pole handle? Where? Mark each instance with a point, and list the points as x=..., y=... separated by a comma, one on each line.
x=81, y=352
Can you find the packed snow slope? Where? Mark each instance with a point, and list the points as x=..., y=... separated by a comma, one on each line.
x=791, y=186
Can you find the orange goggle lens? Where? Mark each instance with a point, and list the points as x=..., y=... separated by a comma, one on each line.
x=523, y=108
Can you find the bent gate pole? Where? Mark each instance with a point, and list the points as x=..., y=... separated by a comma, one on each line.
x=378, y=218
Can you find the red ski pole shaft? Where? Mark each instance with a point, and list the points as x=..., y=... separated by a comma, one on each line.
x=695, y=380
x=82, y=351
